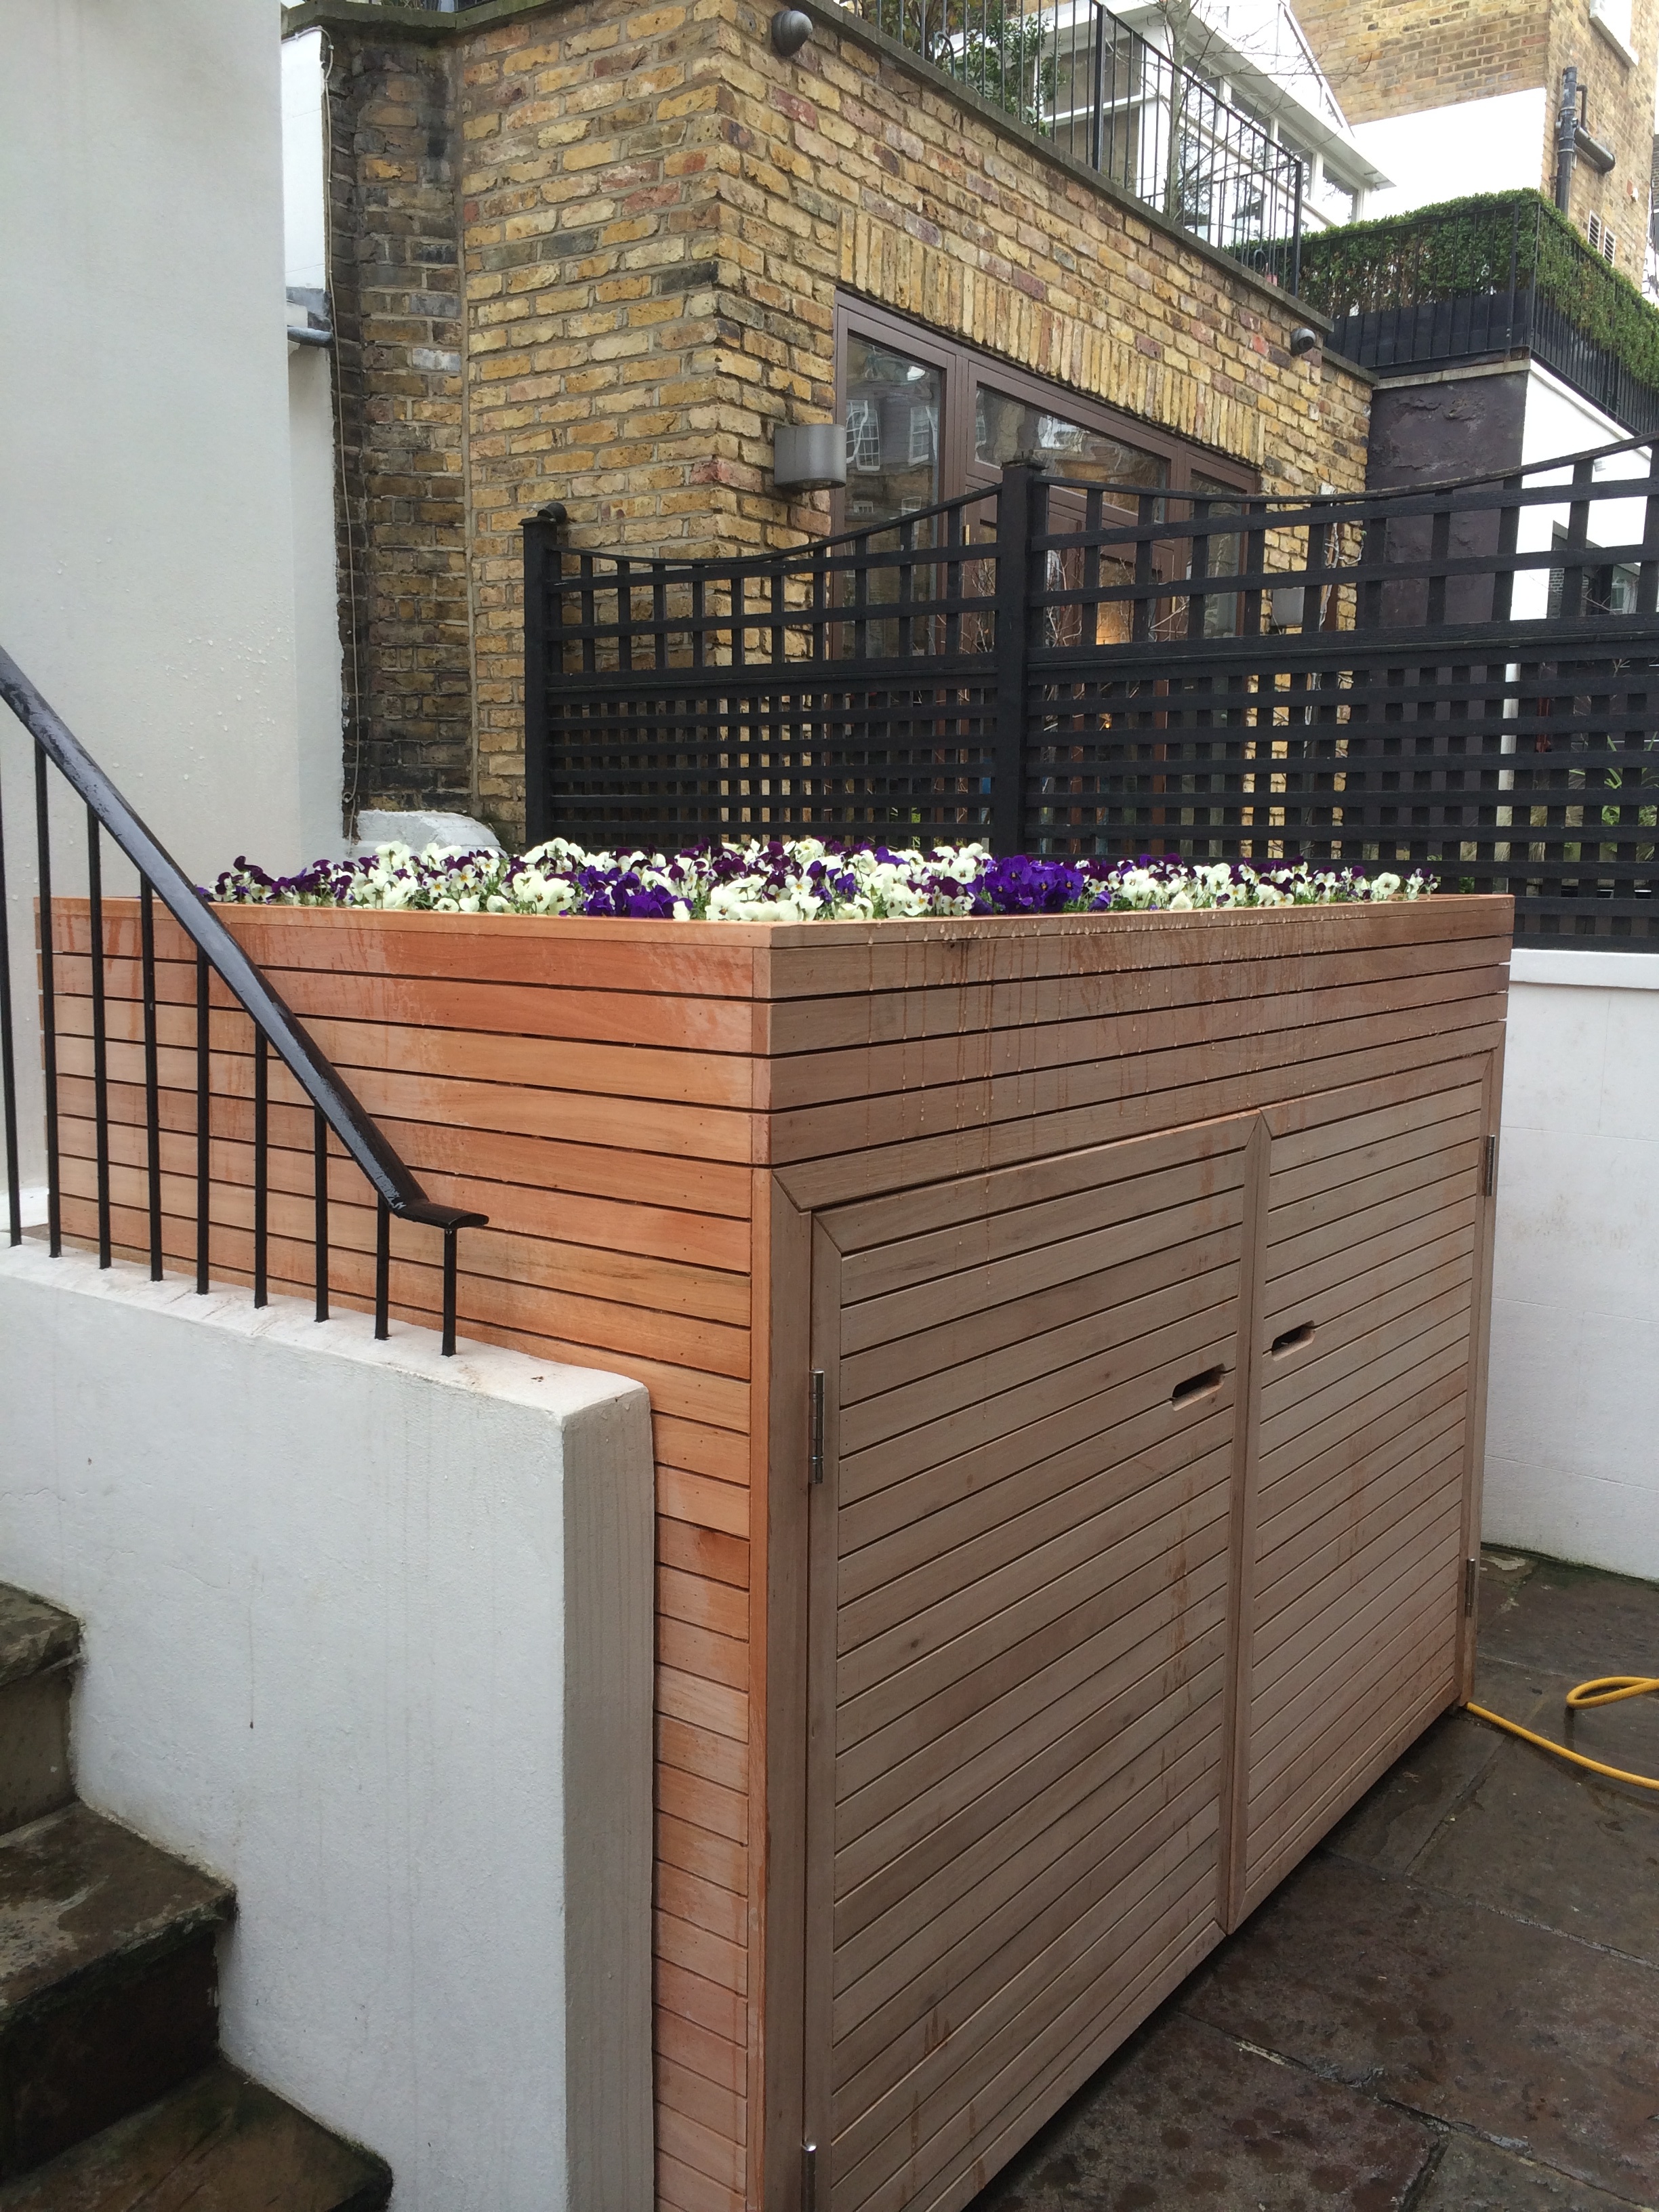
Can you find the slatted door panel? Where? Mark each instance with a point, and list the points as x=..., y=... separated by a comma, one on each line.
x=1020, y=1596
x=1371, y=1276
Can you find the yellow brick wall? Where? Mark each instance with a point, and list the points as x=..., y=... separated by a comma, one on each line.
x=659, y=212
x=1395, y=57
x=1399, y=57
x=1621, y=115
x=400, y=500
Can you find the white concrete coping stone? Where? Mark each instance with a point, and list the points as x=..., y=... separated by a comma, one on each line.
x=1598, y=971
x=513, y=1376
x=379, y=826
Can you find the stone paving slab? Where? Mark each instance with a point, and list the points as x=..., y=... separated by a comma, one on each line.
x=1534, y=2038
x=1187, y=2118
x=1472, y=2176
x=1394, y=1824
x=1570, y=1852
x=1576, y=1621
x=1456, y=1998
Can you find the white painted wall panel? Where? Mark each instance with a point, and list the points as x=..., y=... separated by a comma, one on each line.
x=368, y=1632
x=1572, y=1437
x=147, y=563
x=1445, y=153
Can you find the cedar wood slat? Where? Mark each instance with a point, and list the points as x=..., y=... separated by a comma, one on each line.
x=646, y=1125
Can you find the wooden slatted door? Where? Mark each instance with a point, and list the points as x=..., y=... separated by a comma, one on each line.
x=1372, y=1269
x=1019, y=1602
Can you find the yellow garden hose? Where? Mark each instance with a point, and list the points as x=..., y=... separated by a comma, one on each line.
x=1607, y=1690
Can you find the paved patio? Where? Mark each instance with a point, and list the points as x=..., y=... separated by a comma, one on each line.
x=1453, y=2006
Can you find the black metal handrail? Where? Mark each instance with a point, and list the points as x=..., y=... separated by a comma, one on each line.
x=336, y=1107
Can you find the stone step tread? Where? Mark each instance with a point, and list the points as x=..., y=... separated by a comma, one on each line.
x=81, y=1895
x=33, y=1635
x=221, y=2143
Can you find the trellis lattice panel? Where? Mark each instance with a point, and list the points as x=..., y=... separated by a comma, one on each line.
x=1535, y=773
x=870, y=753
x=1462, y=678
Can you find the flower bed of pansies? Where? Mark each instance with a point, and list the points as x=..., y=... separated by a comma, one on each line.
x=801, y=879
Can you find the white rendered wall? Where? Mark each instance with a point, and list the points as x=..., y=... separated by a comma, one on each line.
x=368, y=1632
x=304, y=219
x=1572, y=1424
x=147, y=558
x=311, y=453
x=1558, y=420
x=316, y=607
x=1447, y=153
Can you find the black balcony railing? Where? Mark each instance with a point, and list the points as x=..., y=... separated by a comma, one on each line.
x=1108, y=98
x=1475, y=278
x=1461, y=677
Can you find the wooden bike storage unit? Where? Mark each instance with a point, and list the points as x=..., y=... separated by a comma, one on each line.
x=1065, y=1341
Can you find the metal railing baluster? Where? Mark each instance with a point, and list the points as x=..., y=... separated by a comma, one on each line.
x=9, y=1063
x=47, y=926
x=204, y=1120
x=262, y=1170
x=100, y=1033
x=152, y=1076
x=449, y=1291
x=382, y=1271
x=320, y=1199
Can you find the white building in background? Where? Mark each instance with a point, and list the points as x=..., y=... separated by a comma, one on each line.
x=1257, y=54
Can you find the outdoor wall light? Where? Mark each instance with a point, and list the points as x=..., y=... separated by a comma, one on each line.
x=809, y=456
x=791, y=30
x=1304, y=340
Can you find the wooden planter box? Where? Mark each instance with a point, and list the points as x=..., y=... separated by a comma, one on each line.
x=1143, y=1260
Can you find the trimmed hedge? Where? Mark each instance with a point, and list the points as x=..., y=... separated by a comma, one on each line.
x=1465, y=246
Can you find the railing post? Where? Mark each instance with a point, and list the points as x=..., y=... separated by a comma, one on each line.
x=1509, y=534
x=48, y=1005
x=541, y=566
x=1021, y=514
x=1098, y=118
x=1515, y=264
x=9, y=1065
x=1295, y=237
x=1647, y=582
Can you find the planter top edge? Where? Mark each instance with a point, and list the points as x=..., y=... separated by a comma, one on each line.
x=1498, y=908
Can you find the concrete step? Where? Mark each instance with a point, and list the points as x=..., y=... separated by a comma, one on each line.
x=221, y=2143
x=40, y=1647
x=108, y=1986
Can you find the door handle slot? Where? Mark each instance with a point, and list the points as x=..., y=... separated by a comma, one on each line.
x=1291, y=1338
x=1197, y=1386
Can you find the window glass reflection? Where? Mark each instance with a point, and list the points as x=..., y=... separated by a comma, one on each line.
x=1004, y=427
x=894, y=412
x=1220, y=614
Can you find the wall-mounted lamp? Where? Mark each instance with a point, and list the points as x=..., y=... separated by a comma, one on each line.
x=791, y=29
x=809, y=456
x=1304, y=340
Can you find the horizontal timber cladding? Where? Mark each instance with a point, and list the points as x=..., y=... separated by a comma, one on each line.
x=1108, y=1608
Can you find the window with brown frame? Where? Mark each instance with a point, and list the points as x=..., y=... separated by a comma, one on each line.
x=927, y=419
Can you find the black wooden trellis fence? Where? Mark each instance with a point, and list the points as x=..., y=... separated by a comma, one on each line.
x=1463, y=677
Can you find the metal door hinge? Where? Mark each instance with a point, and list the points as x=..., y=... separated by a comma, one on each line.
x=809, y=2166
x=815, y=1457
x=1489, y=1179
x=1471, y=1575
